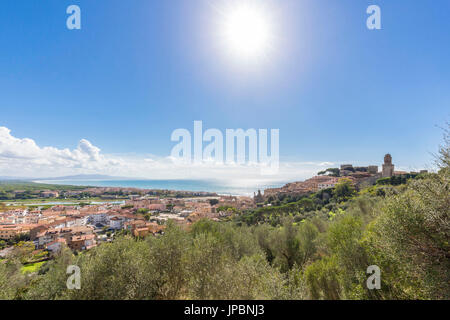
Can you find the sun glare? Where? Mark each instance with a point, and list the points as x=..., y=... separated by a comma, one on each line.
x=247, y=30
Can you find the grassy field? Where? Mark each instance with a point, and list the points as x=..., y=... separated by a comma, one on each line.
x=11, y=185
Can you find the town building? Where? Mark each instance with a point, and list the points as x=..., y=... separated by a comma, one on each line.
x=388, y=167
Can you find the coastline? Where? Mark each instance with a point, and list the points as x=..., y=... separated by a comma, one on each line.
x=219, y=187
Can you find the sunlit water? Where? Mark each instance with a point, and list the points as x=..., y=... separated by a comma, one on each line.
x=178, y=185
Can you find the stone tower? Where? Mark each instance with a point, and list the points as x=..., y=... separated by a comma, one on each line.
x=258, y=198
x=388, y=167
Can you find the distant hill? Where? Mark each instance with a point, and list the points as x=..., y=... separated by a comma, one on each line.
x=7, y=178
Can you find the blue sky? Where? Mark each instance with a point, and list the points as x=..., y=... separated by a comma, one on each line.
x=139, y=69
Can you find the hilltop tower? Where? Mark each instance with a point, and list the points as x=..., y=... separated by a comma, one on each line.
x=258, y=198
x=388, y=167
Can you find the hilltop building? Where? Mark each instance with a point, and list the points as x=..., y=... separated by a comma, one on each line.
x=372, y=169
x=258, y=198
x=388, y=167
x=360, y=176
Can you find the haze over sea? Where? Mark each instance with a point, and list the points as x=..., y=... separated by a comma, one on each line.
x=220, y=187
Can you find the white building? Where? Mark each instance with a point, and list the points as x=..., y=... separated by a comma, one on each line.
x=99, y=217
x=327, y=184
x=116, y=223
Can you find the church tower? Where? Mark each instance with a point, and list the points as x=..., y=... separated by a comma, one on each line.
x=388, y=167
x=258, y=198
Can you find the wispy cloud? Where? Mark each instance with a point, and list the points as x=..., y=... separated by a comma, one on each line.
x=23, y=157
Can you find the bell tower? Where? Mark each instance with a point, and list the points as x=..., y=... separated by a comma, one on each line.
x=388, y=167
x=258, y=198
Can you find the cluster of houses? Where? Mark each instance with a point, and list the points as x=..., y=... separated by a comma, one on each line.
x=359, y=176
x=80, y=228
x=311, y=185
x=107, y=193
x=85, y=226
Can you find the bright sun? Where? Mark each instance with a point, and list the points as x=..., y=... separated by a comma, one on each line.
x=248, y=30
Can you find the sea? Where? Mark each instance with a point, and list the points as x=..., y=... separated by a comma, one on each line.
x=219, y=187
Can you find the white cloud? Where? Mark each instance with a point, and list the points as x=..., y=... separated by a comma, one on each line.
x=24, y=158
